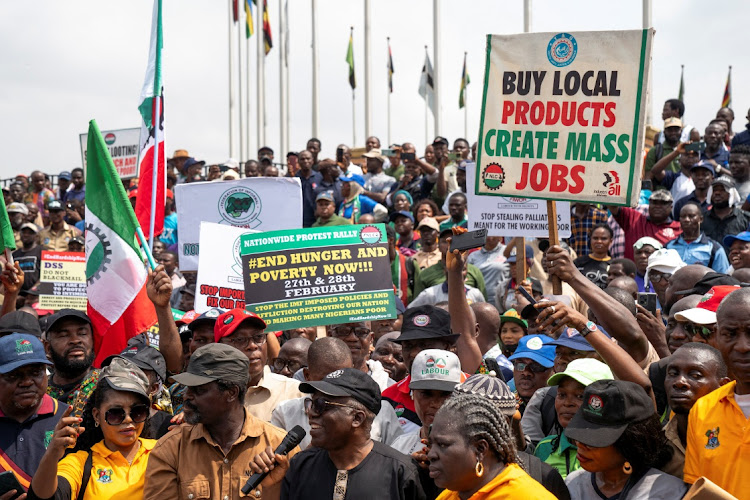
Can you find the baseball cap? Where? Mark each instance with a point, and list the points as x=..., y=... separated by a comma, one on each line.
x=65, y=175
x=512, y=316
x=64, y=314
x=725, y=181
x=429, y=222
x=537, y=348
x=728, y=239
x=215, y=362
x=324, y=195
x=440, y=140
x=144, y=357
x=20, y=322
x=190, y=162
x=29, y=225
x=647, y=240
x=230, y=175
x=705, y=312
x=572, y=339
x=704, y=164
x=229, y=321
x=77, y=239
x=208, y=317
x=666, y=260
x=710, y=280
x=348, y=382
x=661, y=195
x=17, y=208
x=54, y=205
x=609, y=406
x=376, y=154
x=353, y=178
x=124, y=375
x=583, y=370
x=426, y=322
x=491, y=388
x=232, y=163
x=187, y=318
x=529, y=254
x=435, y=369
x=21, y=349
x=403, y=213
x=672, y=121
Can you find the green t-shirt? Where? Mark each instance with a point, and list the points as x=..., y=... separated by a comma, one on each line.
x=335, y=220
x=564, y=458
x=651, y=158
x=434, y=275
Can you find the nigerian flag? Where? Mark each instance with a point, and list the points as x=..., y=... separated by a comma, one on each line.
x=6, y=230
x=115, y=274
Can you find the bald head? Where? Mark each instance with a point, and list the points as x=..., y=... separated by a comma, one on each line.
x=683, y=279
x=488, y=321
x=742, y=275
x=327, y=355
x=297, y=346
x=625, y=283
x=737, y=301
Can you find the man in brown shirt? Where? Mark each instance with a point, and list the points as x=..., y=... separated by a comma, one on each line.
x=56, y=236
x=209, y=456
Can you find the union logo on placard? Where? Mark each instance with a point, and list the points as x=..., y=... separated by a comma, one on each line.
x=562, y=49
x=493, y=176
x=110, y=139
x=240, y=206
x=370, y=235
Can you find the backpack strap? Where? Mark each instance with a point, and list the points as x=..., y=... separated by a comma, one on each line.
x=713, y=253
x=87, y=466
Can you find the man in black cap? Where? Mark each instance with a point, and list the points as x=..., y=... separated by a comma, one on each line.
x=20, y=322
x=209, y=456
x=424, y=327
x=344, y=461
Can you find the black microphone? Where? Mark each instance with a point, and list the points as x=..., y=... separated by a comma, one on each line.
x=292, y=439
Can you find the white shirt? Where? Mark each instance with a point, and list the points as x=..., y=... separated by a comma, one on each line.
x=379, y=375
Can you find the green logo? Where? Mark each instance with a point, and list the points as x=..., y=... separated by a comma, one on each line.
x=228, y=320
x=240, y=206
x=493, y=176
x=24, y=347
x=48, y=438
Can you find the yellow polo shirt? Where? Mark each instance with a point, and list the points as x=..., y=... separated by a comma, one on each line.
x=718, y=442
x=511, y=483
x=112, y=476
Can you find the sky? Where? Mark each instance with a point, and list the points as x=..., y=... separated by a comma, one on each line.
x=65, y=63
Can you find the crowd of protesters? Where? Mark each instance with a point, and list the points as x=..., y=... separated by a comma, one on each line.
x=634, y=383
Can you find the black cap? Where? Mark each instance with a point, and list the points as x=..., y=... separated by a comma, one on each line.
x=440, y=140
x=609, y=406
x=207, y=317
x=144, y=357
x=20, y=322
x=348, y=382
x=215, y=362
x=709, y=281
x=426, y=322
x=64, y=314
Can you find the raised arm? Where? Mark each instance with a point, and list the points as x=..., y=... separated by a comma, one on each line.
x=657, y=171
x=159, y=289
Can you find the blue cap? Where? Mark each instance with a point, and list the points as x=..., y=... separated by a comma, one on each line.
x=731, y=238
x=354, y=177
x=537, y=348
x=65, y=175
x=529, y=254
x=21, y=349
x=190, y=162
x=209, y=316
x=324, y=195
x=572, y=339
x=406, y=214
x=704, y=164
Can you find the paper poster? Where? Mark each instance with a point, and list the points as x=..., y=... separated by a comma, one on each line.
x=123, y=147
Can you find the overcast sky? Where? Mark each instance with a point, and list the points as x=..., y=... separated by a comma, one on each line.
x=64, y=63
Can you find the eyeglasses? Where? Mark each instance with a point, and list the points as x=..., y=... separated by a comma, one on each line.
x=657, y=277
x=533, y=366
x=320, y=405
x=279, y=364
x=242, y=342
x=694, y=330
x=344, y=331
x=116, y=416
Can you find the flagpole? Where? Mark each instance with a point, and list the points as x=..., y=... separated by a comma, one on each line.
x=261, y=75
x=426, y=108
x=526, y=16
x=354, y=107
x=231, y=87
x=436, y=64
x=368, y=56
x=240, y=107
x=388, y=42
x=248, y=104
x=315, y=78
x=282, y=82
x=466, y=103
x=156, y=121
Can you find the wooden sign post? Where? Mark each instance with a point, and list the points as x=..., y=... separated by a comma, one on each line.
x=554, y=239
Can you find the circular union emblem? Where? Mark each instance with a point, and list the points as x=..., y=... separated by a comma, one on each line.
x=562, y=49
x=421, y=320
x=335, y=374
x=493, y=176
x=595, y=402
x=429, y=363
x=239, y=205
x=370, y=235
x=110, y=139
x=98, y=252
x=535, y=343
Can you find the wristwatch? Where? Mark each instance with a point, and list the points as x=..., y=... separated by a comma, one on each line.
x=590, y=327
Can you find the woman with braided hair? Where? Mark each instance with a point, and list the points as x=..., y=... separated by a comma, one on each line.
x=472, y=453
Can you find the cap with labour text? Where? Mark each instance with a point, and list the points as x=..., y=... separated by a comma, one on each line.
x=435, y=369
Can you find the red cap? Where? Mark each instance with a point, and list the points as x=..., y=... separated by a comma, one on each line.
x=187, y=318
x=170, y=194
x=133, y=193
x=714, y=296
x=229, y=321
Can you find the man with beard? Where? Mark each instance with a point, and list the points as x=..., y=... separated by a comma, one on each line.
x=390, y=355
x=358, y=338
x=69, y=343
x=723, y=219
x=211, y=453
x=715, y=153
x=29, y=416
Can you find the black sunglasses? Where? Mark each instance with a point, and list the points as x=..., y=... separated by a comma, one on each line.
x=533, y=366
x=694, y=330
x=116, y=416
x=320, y=405
x=344, y=331
x=279, y=364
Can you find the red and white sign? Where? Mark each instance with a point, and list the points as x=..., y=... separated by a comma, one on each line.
x=123, y=148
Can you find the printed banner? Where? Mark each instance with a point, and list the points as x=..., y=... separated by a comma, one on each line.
x=123, y=147
x=259, y=203
x=318, y=276
x=512, y=216
x=563, y=116
x=62, y=281
x=219, y=282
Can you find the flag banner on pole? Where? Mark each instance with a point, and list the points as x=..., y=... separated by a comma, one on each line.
x=681, y=93
x=6, y=230
x=727, y=101
x=151, y=91
x=465, y=80
x=267, y=39
x=426, y=85
x=390, y=69
x=235, y=11
x=115, y=275
x=350, y=62
x=249, y=23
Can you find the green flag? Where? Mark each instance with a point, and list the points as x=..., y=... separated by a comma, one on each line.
x=6, y=230
x=350, y=61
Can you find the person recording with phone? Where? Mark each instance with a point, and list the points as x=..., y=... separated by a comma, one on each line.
x=419, y=176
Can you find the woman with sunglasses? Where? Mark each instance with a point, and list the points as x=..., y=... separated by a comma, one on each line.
x=108, y=449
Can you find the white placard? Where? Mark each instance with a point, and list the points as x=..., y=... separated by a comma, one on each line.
x=123, y=148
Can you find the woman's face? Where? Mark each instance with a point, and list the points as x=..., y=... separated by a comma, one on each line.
x=511, y=333
x=568, y=400
x=600, y=241
x=401, y=203
x=126, y=433
x=423, y=211
x=452, y=459
x=599, y=459
x=427, y=403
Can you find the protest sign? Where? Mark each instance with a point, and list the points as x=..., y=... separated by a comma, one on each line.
x=123, y=147
x=260, y=203
x=220, y=282
x=563, y=116
x=512, y=216
x=152, y=334
x=318, y=276
x=62, y=281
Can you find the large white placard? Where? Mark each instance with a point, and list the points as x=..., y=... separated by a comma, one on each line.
x=259, y=203
x=123, y=148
